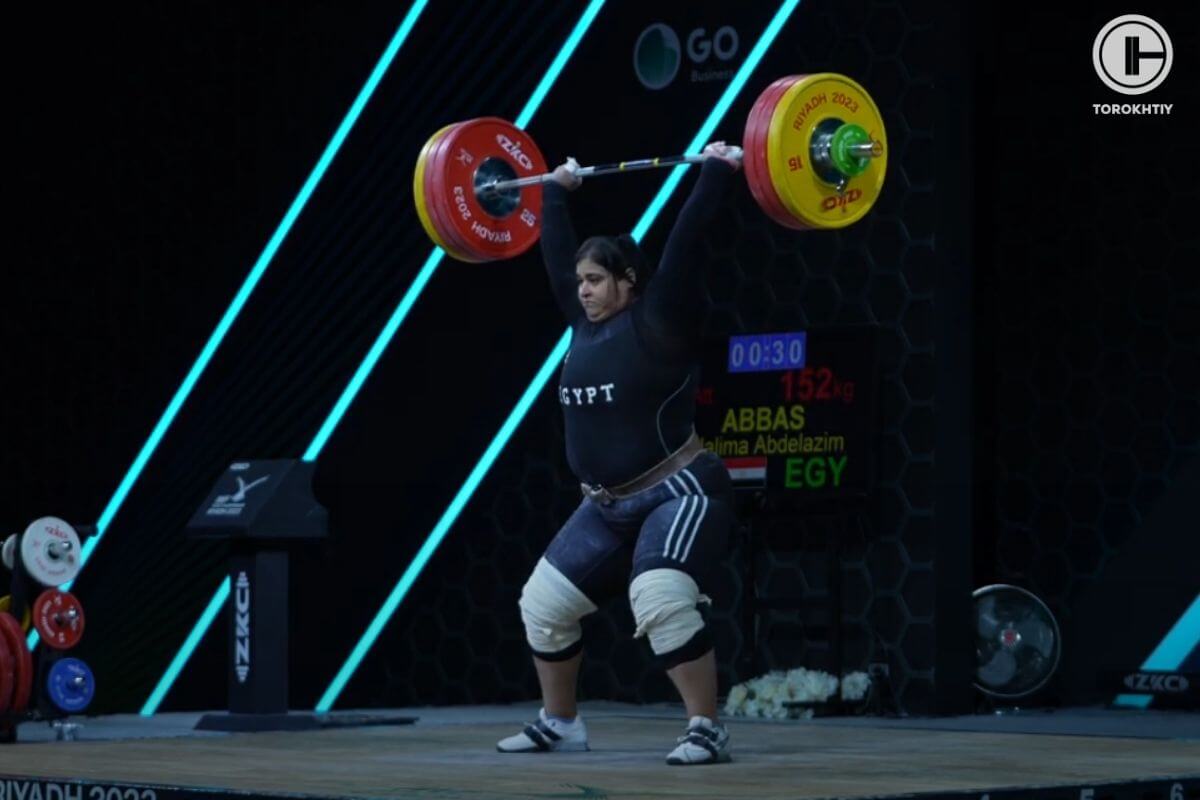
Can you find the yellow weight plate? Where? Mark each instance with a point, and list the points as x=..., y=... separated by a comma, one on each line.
x=26, y=619
x=419, y=197
x=819, y=103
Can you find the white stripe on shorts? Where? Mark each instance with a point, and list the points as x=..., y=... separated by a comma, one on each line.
x=688, y=473
x=686, y=528
x=691, y=539
x=671, y=530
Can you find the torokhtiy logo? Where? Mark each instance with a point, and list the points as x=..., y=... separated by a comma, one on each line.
x=1132, y=55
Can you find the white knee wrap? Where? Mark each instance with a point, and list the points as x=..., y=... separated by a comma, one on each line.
x=551, y=607
x=664, y=607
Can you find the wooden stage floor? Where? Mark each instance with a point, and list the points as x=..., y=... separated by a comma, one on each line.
x=450, y=753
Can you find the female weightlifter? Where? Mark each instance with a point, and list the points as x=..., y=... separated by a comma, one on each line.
x=657, y=508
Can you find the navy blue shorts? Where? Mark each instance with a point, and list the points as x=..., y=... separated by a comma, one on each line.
x=683, y=522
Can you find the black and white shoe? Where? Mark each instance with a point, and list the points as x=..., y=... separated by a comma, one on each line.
x=547, y=735
x=705, y=742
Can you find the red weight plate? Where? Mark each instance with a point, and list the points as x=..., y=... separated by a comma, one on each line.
x=754, y=144
x=438, y=216
x=496, y=143
x=753, y=138
x=757, y=174
x=420, y=201
x=438, y=204
x=466, y=149
x=58, y=617
x=23, y=669
x=441, y=203
x=6, y=674
x=766, y=111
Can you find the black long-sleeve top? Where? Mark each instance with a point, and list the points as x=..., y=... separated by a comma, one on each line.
x=628, y=382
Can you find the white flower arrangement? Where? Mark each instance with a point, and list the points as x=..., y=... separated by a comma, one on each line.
x=765, y=696
x=855, y=686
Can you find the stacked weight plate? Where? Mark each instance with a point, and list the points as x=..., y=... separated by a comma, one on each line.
x=450, y=166
x=49, y=553
x=785, y=162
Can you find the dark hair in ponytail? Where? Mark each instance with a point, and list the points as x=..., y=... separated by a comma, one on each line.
x=620, y=255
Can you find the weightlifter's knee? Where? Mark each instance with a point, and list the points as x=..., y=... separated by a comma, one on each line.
x=664, y=603
x=551, y=607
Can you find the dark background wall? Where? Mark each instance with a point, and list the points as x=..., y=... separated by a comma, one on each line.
x=158, y=150
x=1089, y=312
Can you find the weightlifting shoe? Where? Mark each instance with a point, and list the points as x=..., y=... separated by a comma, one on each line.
x=705, y=742
x=547, y=734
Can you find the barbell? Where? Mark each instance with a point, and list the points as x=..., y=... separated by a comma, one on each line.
x=814, y=151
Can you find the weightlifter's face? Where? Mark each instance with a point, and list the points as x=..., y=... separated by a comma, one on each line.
x=601, y=294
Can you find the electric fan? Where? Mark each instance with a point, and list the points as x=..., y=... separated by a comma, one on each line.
x=1017, y=641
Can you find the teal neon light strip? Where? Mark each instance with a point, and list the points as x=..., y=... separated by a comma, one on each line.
x=443, y=526
x=260, y=266
x=1170, y=653
x=714, y=118
x=539, y=382
x=435, y=257
x=185, y=652
x=397, y=318
x=373, y=355
x=239, y=300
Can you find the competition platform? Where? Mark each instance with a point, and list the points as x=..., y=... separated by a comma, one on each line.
x=449, y=752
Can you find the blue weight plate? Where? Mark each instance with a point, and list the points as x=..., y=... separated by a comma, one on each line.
x=71, y=685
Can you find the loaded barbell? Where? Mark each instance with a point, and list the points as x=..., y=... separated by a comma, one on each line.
x=814, y=149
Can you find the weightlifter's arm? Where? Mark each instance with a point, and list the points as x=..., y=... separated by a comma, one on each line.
x=558, y=240
x=674, y=296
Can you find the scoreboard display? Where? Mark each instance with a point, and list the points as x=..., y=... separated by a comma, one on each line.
x=793, y=412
